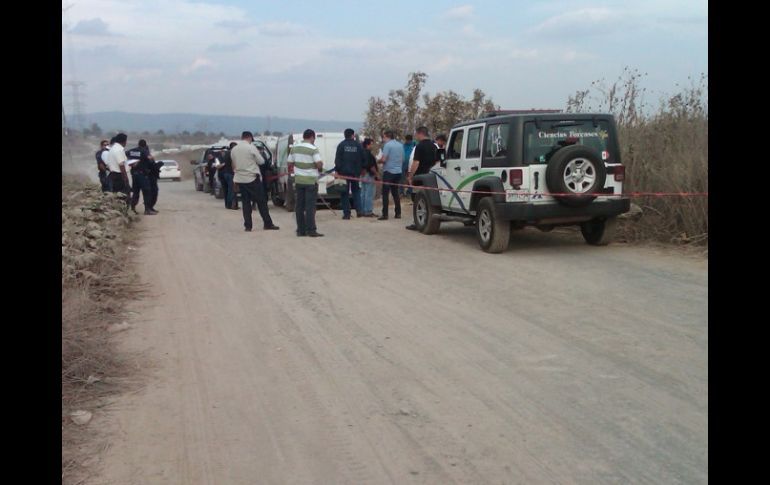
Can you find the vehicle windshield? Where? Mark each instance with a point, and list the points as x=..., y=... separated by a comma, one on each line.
x=543, y=141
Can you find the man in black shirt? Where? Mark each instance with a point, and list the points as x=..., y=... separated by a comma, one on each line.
x=141, y=171
x=226, y=177
x=424, y=158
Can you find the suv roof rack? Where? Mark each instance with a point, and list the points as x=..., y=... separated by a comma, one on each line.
x=492, y=114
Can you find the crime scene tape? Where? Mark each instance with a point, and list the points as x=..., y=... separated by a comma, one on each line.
x=486, y=192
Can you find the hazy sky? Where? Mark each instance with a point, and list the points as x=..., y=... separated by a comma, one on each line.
x=323, y=60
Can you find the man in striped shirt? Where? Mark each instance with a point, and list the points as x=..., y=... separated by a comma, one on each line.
x=307, y=163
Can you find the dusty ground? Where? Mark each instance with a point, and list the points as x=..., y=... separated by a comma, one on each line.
x=378, y=355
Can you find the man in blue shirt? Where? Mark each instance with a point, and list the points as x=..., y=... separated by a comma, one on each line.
x=392, y=159
x=409, y=145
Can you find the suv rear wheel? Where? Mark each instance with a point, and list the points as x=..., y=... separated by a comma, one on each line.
x=423, y=212
x=578, y=171
x=599, y=232
x=492, y=233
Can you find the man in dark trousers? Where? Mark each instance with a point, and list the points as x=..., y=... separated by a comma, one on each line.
x=246, y=160
x=142, y=166
x=225, y=175
x=102, y=167
x=348, y=162
x=425, y=157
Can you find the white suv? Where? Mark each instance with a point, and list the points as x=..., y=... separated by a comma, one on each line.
x=513, y=169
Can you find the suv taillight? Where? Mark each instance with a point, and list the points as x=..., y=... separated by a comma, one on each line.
x=290, y=168
x=620, y=173
x=517, y=177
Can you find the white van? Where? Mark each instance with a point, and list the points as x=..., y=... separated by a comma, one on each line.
x=282, y=189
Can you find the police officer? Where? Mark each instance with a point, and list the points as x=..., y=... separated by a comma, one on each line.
x=141, y=171
x=104, y=178
x=153, y=178
x=348, y=161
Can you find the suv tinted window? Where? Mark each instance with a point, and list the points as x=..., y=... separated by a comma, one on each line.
x=474, y=143
x=455, y=144
x=541, y=143
x=496, y=141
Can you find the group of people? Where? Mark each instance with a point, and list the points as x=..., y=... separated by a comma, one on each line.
x=114, y=164
x=354, y=162
x=400, y=163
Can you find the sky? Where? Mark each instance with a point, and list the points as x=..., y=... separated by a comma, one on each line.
x=323, y=60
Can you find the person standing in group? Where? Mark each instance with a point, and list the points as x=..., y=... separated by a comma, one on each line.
x=368, y=176
x=245, y=159
x=104, y=178
x=441, y=149
x=392, y=159
x=348, y=162
x=409, y=145
x=226, y=177
x=142, y=166
x=116, y=164
x=307, y=163
x=424, y=158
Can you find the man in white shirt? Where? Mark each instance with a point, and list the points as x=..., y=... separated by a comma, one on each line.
x=116, y=164
x=246, y=160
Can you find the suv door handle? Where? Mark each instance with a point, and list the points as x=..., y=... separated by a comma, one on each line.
x=475, y=168
x=457, y=168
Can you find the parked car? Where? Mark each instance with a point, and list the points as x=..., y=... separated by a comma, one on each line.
x=282, y=189
x=527, y=169
x=200, y=167
x=170, y=170
x=267, y=170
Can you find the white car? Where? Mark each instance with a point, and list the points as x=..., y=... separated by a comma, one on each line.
x=170, y=170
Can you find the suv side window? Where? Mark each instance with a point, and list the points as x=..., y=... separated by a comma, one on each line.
x=474, y=143
x=455, y=145
x=496, y=141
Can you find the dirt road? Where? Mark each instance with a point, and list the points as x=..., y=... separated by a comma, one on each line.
x=379, y=355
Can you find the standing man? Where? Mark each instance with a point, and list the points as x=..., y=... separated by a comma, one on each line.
x=348, y=161
x=424, y=158
x=226, y=177
x=441, y=149
x=392, y=158
x=116, y=164
x=245, y=159
x=142, y=166
x=102, y=167
x=409, y=145
x=307, y=163
x=368, y=175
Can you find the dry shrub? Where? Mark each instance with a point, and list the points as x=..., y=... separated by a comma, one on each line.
x=95, y=285
x=664, y=150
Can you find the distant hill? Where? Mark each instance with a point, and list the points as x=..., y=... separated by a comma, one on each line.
x=111, y=121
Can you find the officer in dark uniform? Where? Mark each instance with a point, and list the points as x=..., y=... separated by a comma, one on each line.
x=104, y=178
x=348, y=161
x=154, y=176
x=141, y=172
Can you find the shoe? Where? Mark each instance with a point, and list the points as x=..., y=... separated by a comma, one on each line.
x=301, y=235
x=272, y=228
x=153, y=211
x=411, y=227
x=359, y=215
x=247, y=229
x=398, y=216
x=346, y=217
x=382, y=218
x=148, y=213
x=315, y=234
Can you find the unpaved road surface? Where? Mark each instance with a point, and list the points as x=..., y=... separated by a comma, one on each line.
x=379, y=355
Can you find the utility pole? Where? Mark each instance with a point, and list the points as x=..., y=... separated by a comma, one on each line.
x=75, y=85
